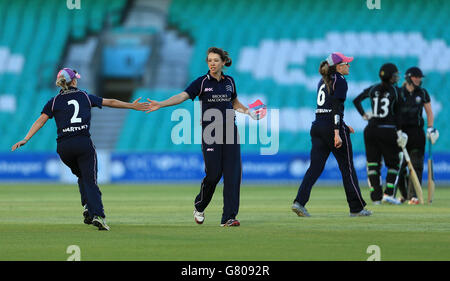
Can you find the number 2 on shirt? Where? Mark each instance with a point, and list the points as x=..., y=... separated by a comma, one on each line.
x=75, y=118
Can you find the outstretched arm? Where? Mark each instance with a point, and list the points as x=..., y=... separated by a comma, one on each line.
x=174, y=100
x=136, y=105
x=38, y=124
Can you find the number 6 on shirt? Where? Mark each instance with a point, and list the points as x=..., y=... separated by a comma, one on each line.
x=321, y=96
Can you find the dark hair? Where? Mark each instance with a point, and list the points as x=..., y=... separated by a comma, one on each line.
x=222, y=53
x=326, y=70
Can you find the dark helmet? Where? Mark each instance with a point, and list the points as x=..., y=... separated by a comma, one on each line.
x=387, y=72
x=413, y=72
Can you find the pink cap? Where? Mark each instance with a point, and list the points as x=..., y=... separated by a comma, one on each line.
x=69, y=74
x=337, y=58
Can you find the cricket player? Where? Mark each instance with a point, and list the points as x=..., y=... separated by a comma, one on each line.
x=221, y=152
x=415, y=99
x=330, y=134
x=71, y=108
x=383, y=136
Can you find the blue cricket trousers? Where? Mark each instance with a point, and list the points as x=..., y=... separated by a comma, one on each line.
x=222, y=159
x=322, y=138
x=79, y=154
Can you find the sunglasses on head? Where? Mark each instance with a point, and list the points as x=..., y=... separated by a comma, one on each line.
x=344, y=63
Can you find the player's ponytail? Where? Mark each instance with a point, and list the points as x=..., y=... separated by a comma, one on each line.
x=62, y=83
x=228, y=60
x=325, y=70
x=224, y=56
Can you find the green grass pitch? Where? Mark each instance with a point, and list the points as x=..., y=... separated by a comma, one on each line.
x=154, y=222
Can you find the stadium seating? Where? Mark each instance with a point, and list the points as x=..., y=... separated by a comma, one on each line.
x=41, y=40
x=276, y=47
x=260, y=34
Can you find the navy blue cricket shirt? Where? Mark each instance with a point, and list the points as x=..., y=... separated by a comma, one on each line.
x=72, y=112
x=329, y=104
x=213, y=93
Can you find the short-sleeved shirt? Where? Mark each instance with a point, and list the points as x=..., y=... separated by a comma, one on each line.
x=330, y=101
x=385, y=105
x=214, y=94
x=412, y=106
x=72, y=112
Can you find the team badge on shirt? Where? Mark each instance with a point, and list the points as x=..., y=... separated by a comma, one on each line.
x=418, y=100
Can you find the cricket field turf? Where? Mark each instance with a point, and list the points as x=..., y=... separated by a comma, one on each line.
x=155, y=223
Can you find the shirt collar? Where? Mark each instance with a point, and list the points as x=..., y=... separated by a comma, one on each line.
x=410, y=93
x=210, y=76
x=70, y=89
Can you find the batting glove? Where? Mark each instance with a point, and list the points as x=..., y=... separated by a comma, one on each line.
x=402, y=139
x=432, y=134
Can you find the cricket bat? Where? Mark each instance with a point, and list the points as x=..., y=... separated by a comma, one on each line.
x=413, y=175
x=430, y=175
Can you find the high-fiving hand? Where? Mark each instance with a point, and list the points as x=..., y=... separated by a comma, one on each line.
x=154, y=105
x=140, y=106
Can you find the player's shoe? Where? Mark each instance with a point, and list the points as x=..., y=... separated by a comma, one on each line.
x=87, y=218
x=378, y=202
x=100, y=223
x=199, y=217
x=390, y=200
x=413, y=201
x=300, y=210
x=231, y=222
x=362, y=213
